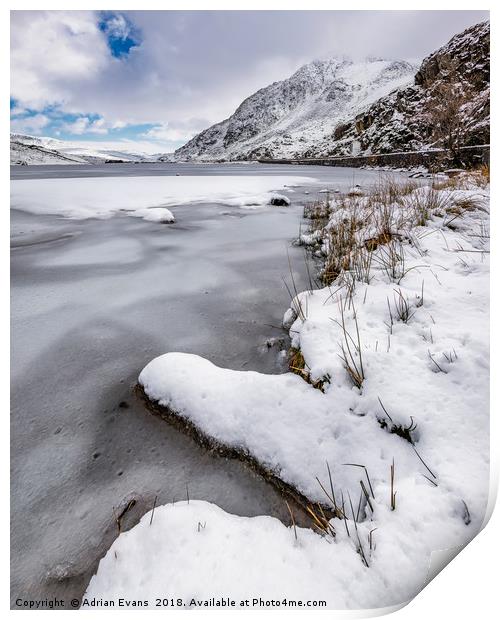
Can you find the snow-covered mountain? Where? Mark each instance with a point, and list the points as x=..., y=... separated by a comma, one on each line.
x=34, y=150
x=30, y=150
x=401, y=121
x=338, y=107
x=288, y=117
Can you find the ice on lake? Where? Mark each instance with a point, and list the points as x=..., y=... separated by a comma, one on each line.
x=94, y=300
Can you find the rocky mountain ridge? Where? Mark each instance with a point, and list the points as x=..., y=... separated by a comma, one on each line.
x=338, y=107
x=288, y=117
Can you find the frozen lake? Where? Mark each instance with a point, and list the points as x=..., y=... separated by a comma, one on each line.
x=93, y=301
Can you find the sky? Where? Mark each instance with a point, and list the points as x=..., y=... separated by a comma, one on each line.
x=151, y=80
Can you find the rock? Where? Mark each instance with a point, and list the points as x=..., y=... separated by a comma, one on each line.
x=62, y=572
x=355, y=191
x=276, y=342
x=398, y=122
x=130, y=509
x=340, y=131
x=280, y=201
x=289, y=318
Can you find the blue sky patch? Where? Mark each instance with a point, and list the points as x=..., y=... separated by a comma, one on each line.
x=120, y=32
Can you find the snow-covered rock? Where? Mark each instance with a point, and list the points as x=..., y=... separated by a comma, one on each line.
x=289, y=318
x=158, y=214
x=278, y=200
x=398, y=120
x=355, y=190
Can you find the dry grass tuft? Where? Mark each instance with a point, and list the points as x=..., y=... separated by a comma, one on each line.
x=318, y=210
x=341, y=239
x=484, y=174
x=297, y=365
x=393, y=492
x=296, y=361
x=320, y=521
x=423, y=204
x=381, y=239
x=351, y=349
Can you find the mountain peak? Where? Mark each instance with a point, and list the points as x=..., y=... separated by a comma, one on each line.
x=298, y=110
x=339, y=105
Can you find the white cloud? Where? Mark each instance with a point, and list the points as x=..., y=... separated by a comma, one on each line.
x=53, y=53
x=163, y=131
x=118, y=27
x=30, y=125
x=84, y=125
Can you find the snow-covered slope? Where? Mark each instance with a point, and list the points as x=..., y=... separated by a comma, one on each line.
x=337, y=107
x=401, y=121
x=287, y=117
x=32, y=150
x=25, y=150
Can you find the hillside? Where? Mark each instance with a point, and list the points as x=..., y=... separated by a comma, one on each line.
x=338, y=107
x=289, y=117
x=402, y=121
x=38, y=150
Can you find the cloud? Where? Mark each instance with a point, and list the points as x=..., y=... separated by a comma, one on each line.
x=175, y=133
x=117, y=26
x=84, y=125
x=30, y=124
x=17, y=110
x=53, y=55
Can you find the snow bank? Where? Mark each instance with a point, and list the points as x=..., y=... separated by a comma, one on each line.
x=158, y=214
x=101, y=197
x=197, y=552
x=428, y=375
x=265, y=415
x=355, y=191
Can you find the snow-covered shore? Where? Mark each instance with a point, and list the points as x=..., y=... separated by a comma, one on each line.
x=398, y=345
x=101, y=197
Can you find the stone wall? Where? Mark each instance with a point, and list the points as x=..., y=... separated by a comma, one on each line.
x=470, y=156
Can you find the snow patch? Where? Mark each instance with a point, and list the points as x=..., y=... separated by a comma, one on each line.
x=101, y=197
x=159, y=214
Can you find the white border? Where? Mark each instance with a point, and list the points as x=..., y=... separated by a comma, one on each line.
x=468, y=587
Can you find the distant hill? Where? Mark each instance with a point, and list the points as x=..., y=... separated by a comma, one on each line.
x=33, y=150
